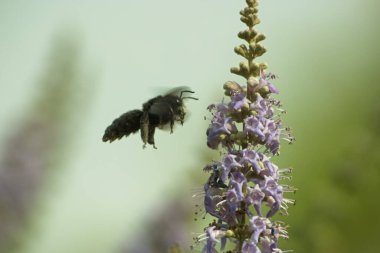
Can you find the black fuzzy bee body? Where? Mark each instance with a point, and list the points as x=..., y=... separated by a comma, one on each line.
x=156, y=112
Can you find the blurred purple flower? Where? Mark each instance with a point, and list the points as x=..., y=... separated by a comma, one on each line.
x=28, y=153
x=250, y=247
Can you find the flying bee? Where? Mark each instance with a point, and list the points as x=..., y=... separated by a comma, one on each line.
x=160, y=111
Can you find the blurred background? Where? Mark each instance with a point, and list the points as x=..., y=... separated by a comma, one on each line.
x=68, y=68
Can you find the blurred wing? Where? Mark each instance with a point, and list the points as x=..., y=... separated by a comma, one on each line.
x=168, y=90
x=160, y=107
x=166, y=127
x=160, y=111
x=177, y=90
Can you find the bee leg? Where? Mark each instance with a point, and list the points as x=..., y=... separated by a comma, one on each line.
x=144, y=128
x=151, y=136
x=182, y=118
x=171, y=126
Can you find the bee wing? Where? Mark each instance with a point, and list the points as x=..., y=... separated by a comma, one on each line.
x=169, y=90
x=177, y=90
x=167, y=128
x=160, y=109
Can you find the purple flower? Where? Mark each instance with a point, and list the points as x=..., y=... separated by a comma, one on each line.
x=238, y=182
x=250, y=157
x=239, y=101
x=272, y=189
x=220, y=126
x=228, y=163
x=268, y=245
x=250, y=247
x=262, y=107
x=223, y=125
x=212, y=236
x=211, y=241
x=222, y=108
x=259, y=105
x=272, y=136
x=213, y=139
x=254, y=126
x=270, y=169
x=233, y=201
x=257, y=224
x=212, y=200
x=255, y=197
x=218, y=108
x=272, y=88
x=264, y=82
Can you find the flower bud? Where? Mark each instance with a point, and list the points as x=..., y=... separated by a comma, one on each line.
x=231, y=88
x=222, y=137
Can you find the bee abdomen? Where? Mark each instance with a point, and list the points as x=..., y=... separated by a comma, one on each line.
x=126, y=124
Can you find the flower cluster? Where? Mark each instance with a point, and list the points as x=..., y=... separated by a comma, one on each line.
x=243, y=191
x=251, y=106
x=245, y=178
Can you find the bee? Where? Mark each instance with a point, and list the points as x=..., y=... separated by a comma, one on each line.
x=160, y=111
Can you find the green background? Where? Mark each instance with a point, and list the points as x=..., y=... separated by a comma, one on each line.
x=115, y=55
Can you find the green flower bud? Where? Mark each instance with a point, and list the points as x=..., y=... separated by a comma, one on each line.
x=260, y=37
x=222, y=137
x=230, y=233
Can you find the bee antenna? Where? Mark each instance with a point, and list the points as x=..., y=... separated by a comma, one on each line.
x=191, y=98
x=185, y=91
